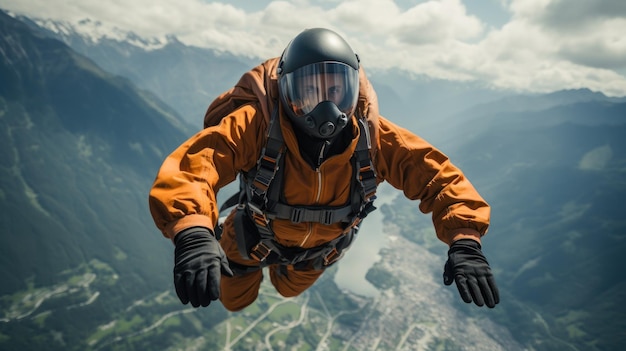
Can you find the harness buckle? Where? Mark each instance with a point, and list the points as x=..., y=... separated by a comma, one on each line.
x=254, y=208
x=332, y=257
x=296, y=215
x=327, y=217
x=260, y=219
x=260, y=252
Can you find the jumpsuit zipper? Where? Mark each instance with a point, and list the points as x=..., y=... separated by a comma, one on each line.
x=319, y=189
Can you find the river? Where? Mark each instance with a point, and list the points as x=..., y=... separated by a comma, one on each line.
x=363, y=253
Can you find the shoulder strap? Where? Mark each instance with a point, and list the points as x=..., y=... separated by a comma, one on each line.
x=267, y=168
x=268, y=165
x=367, y=173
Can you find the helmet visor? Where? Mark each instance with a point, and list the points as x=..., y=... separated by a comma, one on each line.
x=304, y=88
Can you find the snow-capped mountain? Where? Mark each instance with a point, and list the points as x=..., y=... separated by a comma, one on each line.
x=185, y=77
x=93, y=32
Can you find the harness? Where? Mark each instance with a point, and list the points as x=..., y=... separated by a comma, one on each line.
x=260, y=201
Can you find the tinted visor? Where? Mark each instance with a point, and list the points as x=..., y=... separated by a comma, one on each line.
x=307, y=86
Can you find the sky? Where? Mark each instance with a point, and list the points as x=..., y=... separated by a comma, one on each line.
x=521, y=45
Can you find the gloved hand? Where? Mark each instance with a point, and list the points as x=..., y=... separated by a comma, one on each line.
x=469, y=268
x=199, y=262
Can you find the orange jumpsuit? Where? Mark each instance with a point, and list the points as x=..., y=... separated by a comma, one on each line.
x=184, y=192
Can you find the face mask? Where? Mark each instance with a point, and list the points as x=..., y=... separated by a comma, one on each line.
x=319, y=98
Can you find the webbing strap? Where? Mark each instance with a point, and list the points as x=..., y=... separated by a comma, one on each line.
x=366, y=175
x=270, y=250
x=296, y=214
x=267, y=168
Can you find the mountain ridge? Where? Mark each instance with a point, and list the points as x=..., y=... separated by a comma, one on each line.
x=182, y=76
x=61, y=158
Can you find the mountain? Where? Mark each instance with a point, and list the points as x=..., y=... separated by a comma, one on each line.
x=552, y=167
x=421, y=102
x=185, y=77
x=80, y=148
x=569, y=234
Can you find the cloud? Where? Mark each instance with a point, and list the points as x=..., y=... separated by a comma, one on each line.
x=585, y=32
x=550, y=45
x=435, y=22
x=564, y=16
x=547, y=45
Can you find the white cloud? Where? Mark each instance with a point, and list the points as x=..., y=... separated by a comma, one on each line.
x=547, y=45
x=603, y=46
x=586, y=32
x=434, y=22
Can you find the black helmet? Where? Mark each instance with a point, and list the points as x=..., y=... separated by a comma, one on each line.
x=318, y=82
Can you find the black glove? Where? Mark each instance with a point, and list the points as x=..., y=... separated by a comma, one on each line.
x=469, y=268
x=199, y=262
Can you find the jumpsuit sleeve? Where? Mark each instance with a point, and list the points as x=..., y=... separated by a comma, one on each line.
x=183, y=194
x=424, y=173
